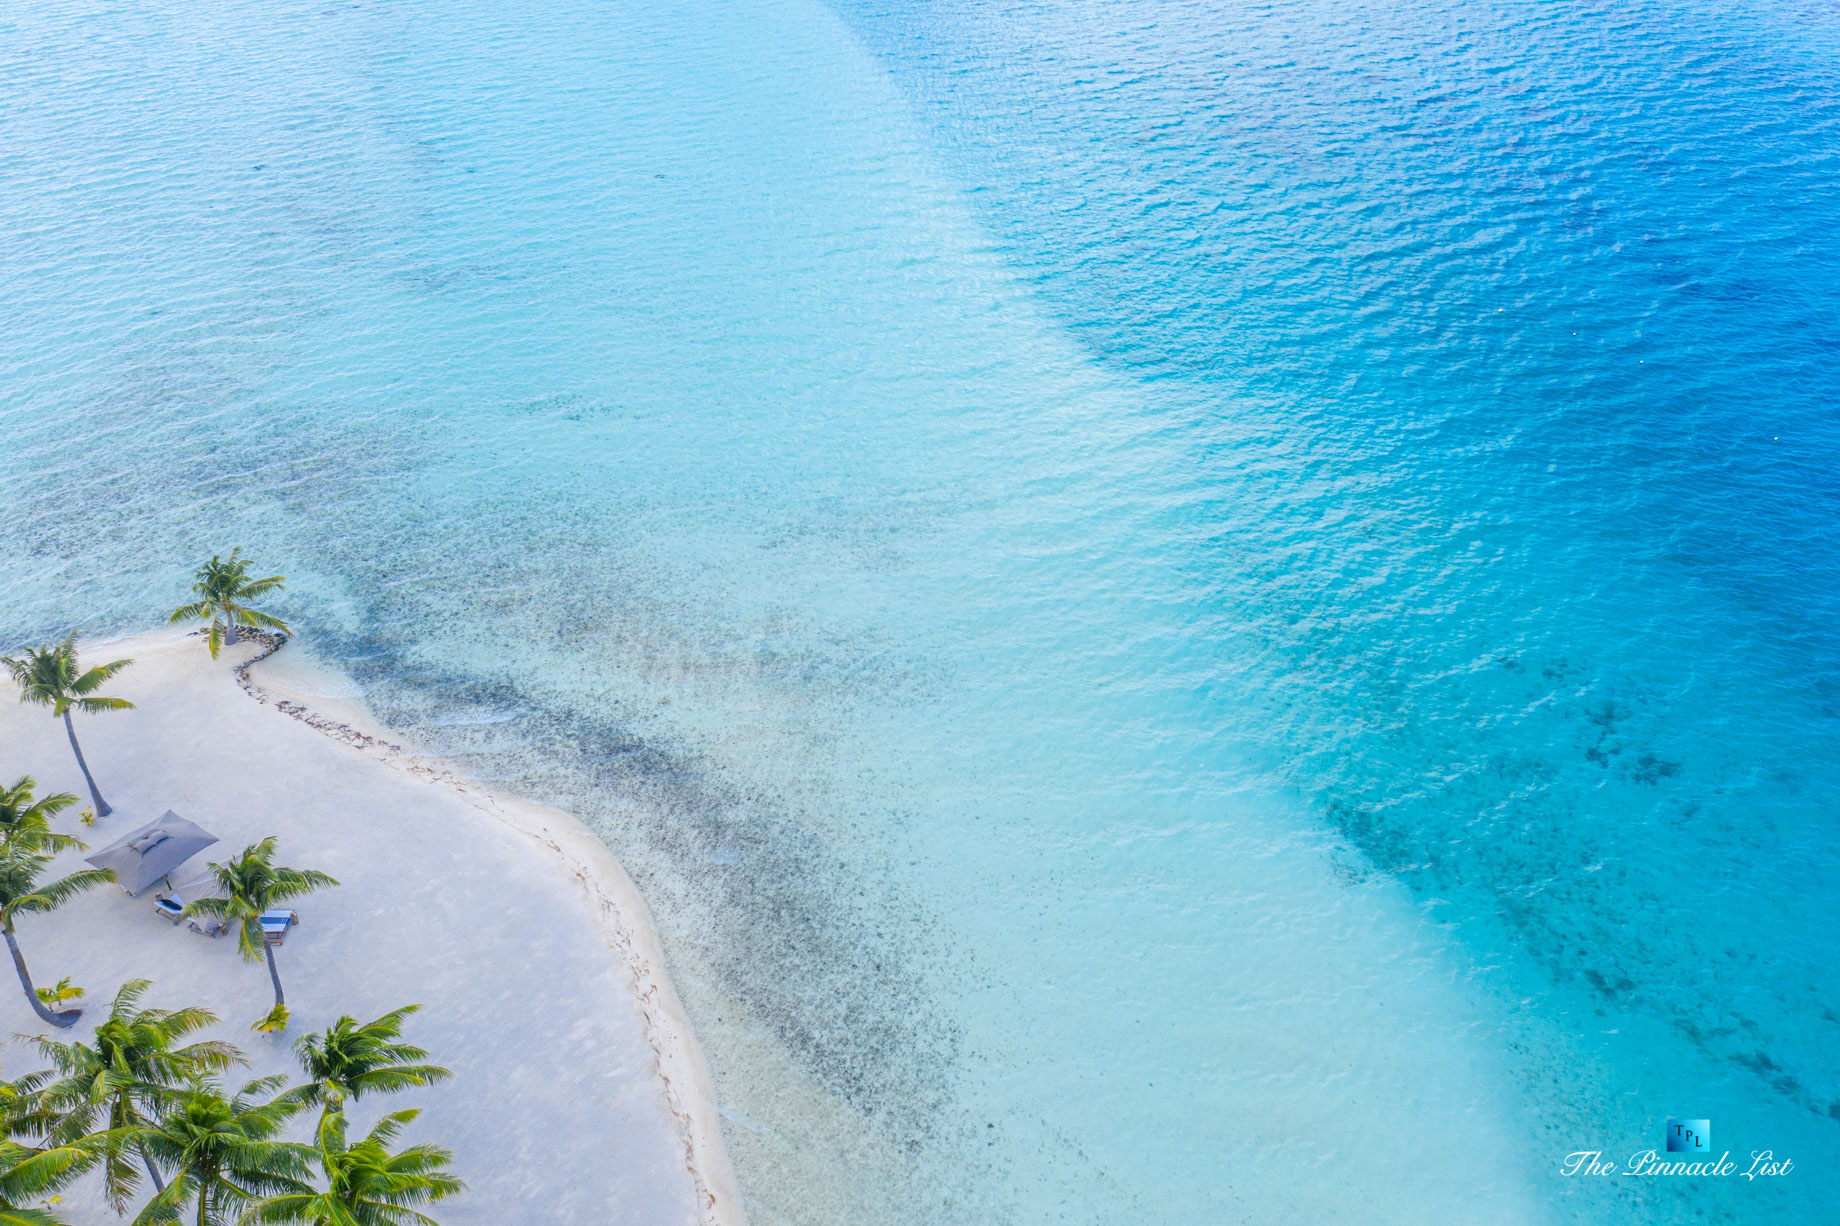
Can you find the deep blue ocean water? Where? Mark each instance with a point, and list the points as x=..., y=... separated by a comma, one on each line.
x=1185, y=612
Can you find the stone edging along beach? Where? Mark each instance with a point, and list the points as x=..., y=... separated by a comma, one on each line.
x=621, y=916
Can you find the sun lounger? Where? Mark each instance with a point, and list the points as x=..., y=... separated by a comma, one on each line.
x=169, y=907
x=274, y=927
x=279, y=913
x=207, y=926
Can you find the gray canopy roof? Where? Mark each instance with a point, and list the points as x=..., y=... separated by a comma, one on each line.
x=143, y=856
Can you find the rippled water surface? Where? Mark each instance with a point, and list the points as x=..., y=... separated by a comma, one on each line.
x=1186, y=612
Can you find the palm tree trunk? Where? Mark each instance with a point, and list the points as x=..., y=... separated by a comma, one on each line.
x=65, y=1019
x=70, y=730
x=230, y=622
x=153, y=1172
x=273, y=974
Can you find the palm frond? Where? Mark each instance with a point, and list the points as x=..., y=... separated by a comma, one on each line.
x=294, y=882
x=33, y=1174
x=255, y=617
x=401, y=1077
x=54, y=894
x=17, y=805
x=262, y=587
x=183, y=1063
x=295, y=1208
x=38, y=674
x=270, y=1167
x=427, y=1164
x=121, y=1176
x=182, y=1022
x=387, y=1129
x=129, y=995
x=34, y=837
x=214, y=908
x=258, y=1087
x=97, y=675
x=163, y=1209
x=21, y=1103
x=260, y=851
x=50, y=806
x=58, y=1053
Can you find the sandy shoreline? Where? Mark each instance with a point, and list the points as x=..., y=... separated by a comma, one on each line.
x=625, y=924
x=645, y=1068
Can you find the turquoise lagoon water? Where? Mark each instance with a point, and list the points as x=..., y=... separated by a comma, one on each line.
x=1186, y=613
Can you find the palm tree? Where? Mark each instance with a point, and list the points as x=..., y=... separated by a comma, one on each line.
x=349, y=1060
x=23, y=861
x=23, y=818
x=135, y=1069
x=48, y=676
x=366, y=1184
x=251, y=884
x=223, y=1152
x=224, y=588
x=28, y=1174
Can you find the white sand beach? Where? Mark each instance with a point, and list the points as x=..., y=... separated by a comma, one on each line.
x=578, y=1096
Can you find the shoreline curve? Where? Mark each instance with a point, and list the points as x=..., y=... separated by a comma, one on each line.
x=624, y=922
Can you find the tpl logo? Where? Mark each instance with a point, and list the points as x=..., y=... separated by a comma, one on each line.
x=1688, y=1136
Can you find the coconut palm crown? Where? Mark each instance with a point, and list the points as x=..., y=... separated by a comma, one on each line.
x=49, y=676
x=223, y=1152
x=349, y=1060
x=134, y=1068
x=224, y=590
x=366, y=1184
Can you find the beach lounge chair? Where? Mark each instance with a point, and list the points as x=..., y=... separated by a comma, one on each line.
x=275, y=926
x=207, y=926
x=171, y=902
x=276, y=921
